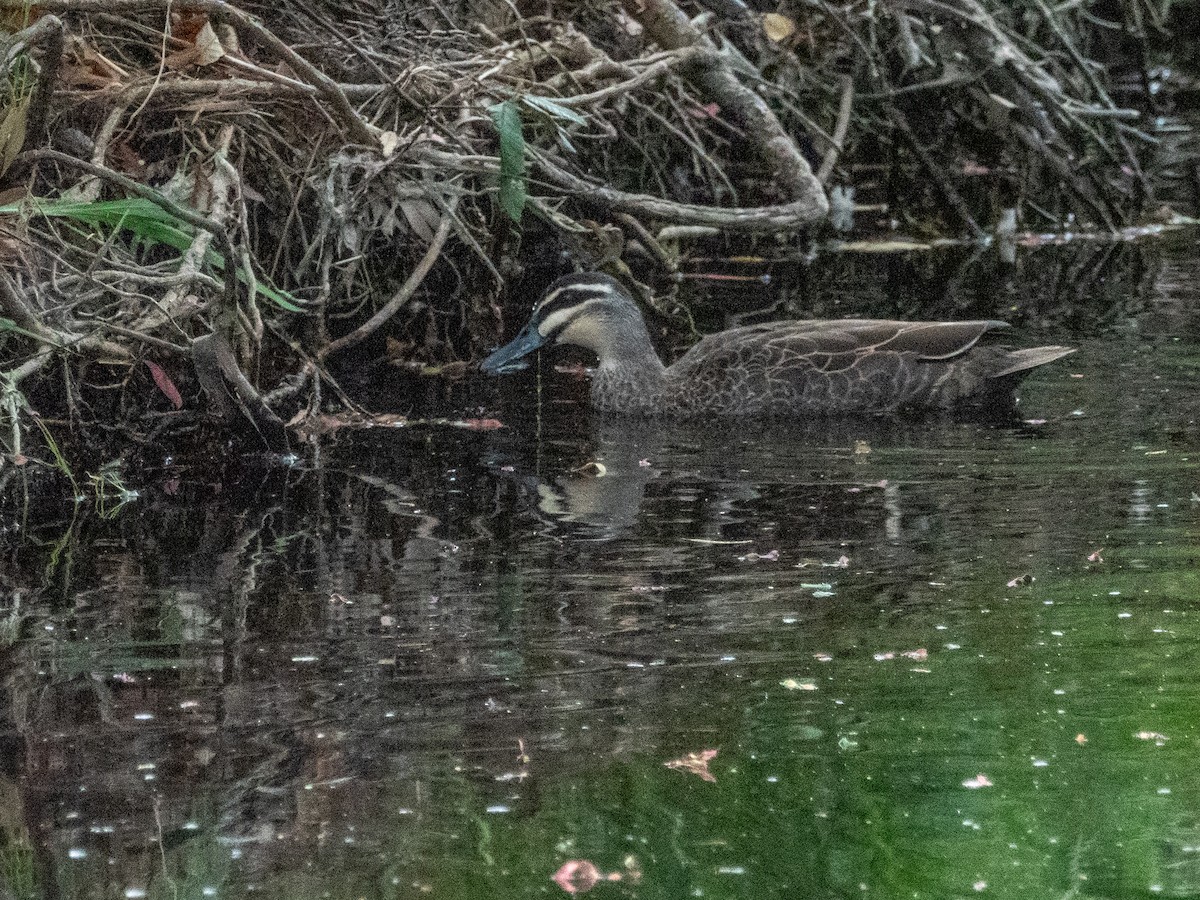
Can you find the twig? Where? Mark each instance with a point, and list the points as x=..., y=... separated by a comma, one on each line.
x=949, y=191
x=181, y=212
x=403, y=295
x=354, y=124
x=839, y=131
x=48, y=31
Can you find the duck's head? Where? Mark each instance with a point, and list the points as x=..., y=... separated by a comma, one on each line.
x=590, y=310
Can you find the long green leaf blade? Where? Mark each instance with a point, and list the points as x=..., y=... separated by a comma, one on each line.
x=507, y=119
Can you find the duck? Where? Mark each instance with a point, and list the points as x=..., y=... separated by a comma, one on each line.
x=795, y=368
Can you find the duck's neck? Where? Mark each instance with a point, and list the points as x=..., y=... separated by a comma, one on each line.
x=630, y=377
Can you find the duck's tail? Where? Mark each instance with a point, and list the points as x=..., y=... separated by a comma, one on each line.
x=1019, y=362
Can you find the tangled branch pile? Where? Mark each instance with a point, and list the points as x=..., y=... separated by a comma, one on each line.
x=221, y=198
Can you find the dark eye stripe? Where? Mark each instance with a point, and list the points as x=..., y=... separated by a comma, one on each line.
x=571, y=295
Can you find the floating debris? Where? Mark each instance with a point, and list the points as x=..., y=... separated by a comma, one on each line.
x=695, y=763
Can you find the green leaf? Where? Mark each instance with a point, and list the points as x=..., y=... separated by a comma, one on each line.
x=10, y=325
x=507, y=118
x=149, y=223
x=554, y=110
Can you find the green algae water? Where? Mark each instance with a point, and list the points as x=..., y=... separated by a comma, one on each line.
x=575, y=655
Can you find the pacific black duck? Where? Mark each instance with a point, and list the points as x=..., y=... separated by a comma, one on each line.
x=792, y=368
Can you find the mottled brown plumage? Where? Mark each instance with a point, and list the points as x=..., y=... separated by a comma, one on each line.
x=792, y=368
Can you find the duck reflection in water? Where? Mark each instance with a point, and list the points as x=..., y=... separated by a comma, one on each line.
x=681, y=479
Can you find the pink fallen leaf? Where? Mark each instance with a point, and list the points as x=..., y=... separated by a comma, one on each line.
x=1095, y=556
x=480, y=424
x=1021, y=581
x=696, y=763
x=164, y=383
x=755, y=557
x=880, y=657
x=578, y=876
x=705, y=111
x=644, y=463
x=979, y=781
x=919, y=654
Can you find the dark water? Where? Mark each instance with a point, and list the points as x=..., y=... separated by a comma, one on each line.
x=935, y=659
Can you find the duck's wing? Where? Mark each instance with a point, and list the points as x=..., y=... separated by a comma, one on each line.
x=855, y=365
x=834, y=343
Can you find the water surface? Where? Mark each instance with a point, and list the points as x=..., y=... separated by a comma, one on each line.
x=934, y=659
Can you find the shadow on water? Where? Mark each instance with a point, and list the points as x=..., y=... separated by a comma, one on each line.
x=935, y=657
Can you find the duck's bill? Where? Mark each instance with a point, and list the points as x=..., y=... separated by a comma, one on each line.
x=510, y=357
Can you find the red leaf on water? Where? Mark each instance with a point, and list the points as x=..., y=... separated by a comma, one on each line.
x=164, y=383
x=480, y=424
x=696, y=763
x=578, y=876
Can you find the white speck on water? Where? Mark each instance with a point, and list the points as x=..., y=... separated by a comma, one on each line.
x=499, y=809
x=1056, y=633
x=953, y=646
x=77, y=853
x=133, y=893
x=1164, y=791
x=1058, y=692
x=728, y=657
x=1040, y=763
x=143, y=716
x=1125, y=615
x=304, y=659
x=731, y=870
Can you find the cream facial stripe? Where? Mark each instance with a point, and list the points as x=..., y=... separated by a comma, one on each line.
x=558, y=319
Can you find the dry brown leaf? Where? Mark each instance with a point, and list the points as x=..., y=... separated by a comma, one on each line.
x=208, y=46
x=12, y=132
x=422, y=217
x=778, y=27
x=388, y=141
x=88, y=67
